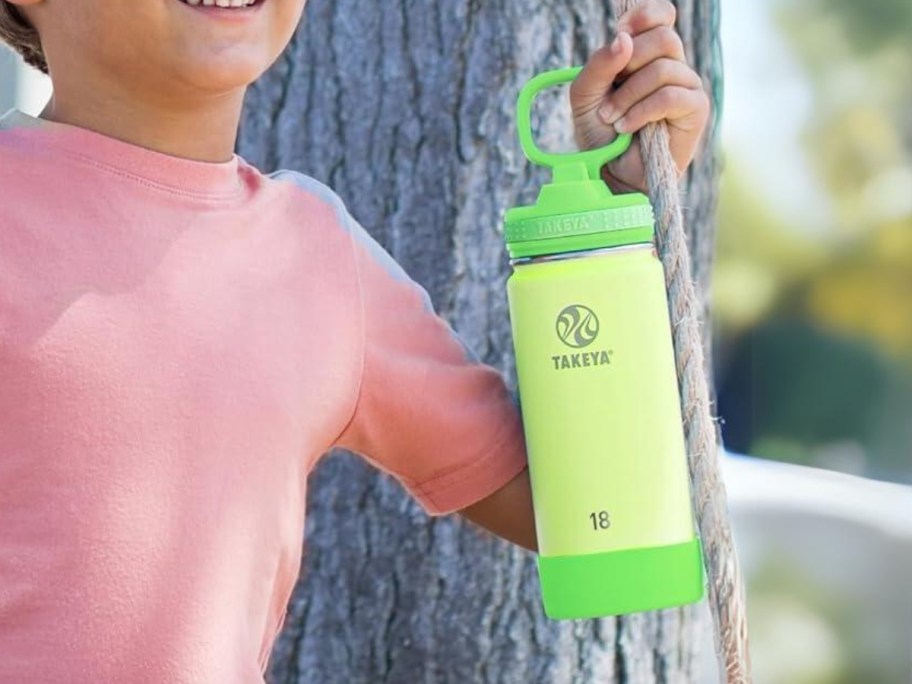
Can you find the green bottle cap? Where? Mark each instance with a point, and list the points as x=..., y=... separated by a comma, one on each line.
x=576, y=211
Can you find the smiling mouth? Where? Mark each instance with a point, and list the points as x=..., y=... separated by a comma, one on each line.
x=224, y=4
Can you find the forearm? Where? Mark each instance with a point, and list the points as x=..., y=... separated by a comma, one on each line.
x=508, y=512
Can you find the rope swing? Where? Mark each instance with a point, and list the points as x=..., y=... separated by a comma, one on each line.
x=726, y=588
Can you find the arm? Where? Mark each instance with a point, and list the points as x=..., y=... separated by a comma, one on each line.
x=447, y=410
x=507, y=512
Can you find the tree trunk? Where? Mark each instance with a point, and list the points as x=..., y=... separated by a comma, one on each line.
x=406, y=108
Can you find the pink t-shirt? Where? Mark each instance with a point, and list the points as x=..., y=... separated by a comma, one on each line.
x=180, y=342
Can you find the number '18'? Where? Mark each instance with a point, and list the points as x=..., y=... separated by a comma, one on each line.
x=600, y=520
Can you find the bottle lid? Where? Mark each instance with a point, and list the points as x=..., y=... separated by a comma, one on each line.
x=576, y=211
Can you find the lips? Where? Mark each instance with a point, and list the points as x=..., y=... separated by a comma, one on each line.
x=230, y=12
x=229, y=5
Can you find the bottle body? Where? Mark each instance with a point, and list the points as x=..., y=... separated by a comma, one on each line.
x=602, y=420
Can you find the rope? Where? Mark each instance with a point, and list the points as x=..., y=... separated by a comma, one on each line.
x=726, y=589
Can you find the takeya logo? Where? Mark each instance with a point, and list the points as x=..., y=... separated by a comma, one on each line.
x=577, y=326
x=564, y=224
x=582, y=359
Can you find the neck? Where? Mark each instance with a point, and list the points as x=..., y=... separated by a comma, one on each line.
x=202, y=130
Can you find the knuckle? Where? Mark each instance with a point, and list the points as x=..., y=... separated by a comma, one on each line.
x=669, y=41
x=668, y=97
x=694, y=80
x=665, y=69
x=668, y=9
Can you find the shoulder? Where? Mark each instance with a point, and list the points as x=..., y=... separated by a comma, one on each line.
x=302, y=186
x=368, y=251
x=16, y=148
x=361, y=238
x=27, y=169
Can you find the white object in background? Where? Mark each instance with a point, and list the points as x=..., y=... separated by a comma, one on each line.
x=756, y=483
x=815, y=545
x=33, y=89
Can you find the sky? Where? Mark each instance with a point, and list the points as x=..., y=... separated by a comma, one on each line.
x=768, y=102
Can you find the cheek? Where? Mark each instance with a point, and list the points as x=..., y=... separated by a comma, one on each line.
x=287, y=17
x=119, y=34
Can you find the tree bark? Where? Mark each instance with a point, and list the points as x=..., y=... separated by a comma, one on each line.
x=406, y=109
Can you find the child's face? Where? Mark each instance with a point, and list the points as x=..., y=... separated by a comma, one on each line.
x=164, y=48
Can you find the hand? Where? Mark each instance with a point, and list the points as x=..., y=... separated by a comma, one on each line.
x=642, y=76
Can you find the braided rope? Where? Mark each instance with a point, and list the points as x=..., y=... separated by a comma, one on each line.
x=726, y=589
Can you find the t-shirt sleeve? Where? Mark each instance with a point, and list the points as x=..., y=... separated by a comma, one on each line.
x=429, y=413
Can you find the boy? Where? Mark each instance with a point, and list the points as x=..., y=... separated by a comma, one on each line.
x=182, y=337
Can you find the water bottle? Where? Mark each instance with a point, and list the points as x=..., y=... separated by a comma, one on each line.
x=598, y=390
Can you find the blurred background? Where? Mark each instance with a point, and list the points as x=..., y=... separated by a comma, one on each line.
x=813, y=279
x=812, y=298
x=812, y=301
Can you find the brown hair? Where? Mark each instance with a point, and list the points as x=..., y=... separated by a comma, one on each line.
x=21, y=36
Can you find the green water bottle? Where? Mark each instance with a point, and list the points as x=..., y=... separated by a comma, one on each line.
x=598, y=390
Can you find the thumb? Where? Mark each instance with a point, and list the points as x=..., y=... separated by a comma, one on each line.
x=596, y=78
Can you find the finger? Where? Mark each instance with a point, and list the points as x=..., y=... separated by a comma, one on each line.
x=626, y=173
x=686, y=112
x=662, y=41
x=661, y=73
x=685, y=108
x=589, y=88
x=649, y=14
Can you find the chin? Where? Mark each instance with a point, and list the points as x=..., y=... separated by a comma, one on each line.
x=218, y=79
x=218, y=76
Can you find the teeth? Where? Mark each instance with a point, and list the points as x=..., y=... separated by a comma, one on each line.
x=220, y=3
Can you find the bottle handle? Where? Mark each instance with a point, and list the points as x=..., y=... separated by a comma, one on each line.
x=592, y=159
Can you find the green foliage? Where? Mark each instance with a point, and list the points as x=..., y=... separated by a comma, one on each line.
x=793, y=386
x=816, y=334
x=866, y=290
x=872, y=23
